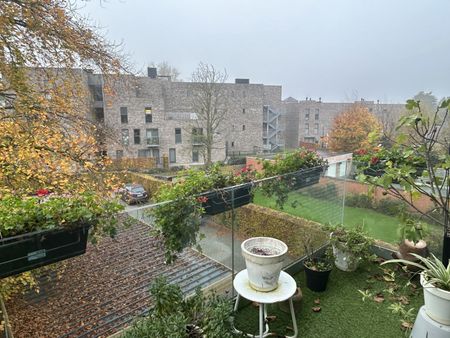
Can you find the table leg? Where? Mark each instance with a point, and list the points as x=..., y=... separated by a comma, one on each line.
x=294, y=320
x=261, y=320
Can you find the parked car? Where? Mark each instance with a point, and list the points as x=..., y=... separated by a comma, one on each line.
x=134, y=193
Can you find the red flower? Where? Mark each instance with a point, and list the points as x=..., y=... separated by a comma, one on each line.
x=42, y=192
x=202, y=199
x=374, y=160
x=361, y=152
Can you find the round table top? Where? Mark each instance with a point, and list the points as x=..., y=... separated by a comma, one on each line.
x=285, y=290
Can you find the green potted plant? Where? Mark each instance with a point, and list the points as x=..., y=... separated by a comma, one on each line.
x=435, y=279
x=411, y=233
x=350, y=246
x=178, y=216
x=317, y=269
x=37, y=231
x=177, y=316
x=291, y=171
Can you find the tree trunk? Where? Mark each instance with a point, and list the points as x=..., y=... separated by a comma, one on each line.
x=446, y=250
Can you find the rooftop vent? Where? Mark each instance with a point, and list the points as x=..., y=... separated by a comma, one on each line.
x=242, y=81
x=152, y=72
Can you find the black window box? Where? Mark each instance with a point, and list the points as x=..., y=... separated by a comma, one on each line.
x=305, y=177
x=29, y=251
x=221, y=200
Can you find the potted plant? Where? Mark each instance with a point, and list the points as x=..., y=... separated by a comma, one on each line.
x=264, y=257
x=350, y=246
x=37, y=231
x=174, y=315
x=435, y=279
x=295, y=170
x=178, y=217
x=411, y=233
x=317, y=269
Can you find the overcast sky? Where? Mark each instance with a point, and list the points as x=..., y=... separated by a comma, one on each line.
x=335, y=49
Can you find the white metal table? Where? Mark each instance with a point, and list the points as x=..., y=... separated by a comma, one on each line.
x=285, y=290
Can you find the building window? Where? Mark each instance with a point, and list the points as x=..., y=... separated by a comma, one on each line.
x=99, y=114
x=197, y=135
x=232, y=144
x=316, y=128
x=125, y=137
x=123, y=114
x=316, y=116
x=178, y=135
x=172, y=155
x=119, y=154
x=306, y=128
x=143, y=153
x=307, y=114
x=243, y=110
x=152, y=136
x=243, y=127
x=137, y=136
x=195, y=155
x=97, y=92
x=148, y=114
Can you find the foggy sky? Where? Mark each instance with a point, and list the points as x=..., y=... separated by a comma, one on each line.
x=339, y=50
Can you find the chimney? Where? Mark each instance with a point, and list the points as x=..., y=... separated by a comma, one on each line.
x=242, y=81
x=320, y=99
x=152, y=72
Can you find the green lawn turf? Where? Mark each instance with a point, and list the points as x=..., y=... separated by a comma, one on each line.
x=325, y=211
x=343, y=313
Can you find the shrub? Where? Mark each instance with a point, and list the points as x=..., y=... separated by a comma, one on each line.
x=358, y=201
x=388, y=206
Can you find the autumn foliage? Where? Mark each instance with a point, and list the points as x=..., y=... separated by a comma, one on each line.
x=47, y=139
x=351, y=129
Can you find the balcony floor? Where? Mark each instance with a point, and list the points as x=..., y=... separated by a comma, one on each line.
x=343, y=312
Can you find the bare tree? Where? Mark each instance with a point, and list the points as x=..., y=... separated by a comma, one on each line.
x=165, y=69
x=209, y=104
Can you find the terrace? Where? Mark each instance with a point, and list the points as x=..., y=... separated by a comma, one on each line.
x=103, y=291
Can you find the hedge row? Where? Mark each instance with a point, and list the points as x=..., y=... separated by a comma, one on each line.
x=150, y=184
x=254, y=220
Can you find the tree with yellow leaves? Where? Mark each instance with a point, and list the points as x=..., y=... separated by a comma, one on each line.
x=47, y=139
x=351, y=129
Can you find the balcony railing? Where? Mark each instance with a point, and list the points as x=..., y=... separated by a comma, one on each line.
x=153, y=141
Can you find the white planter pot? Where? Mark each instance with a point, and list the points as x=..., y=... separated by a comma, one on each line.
x=264, y=258
x=437, y=302
x=345, y=260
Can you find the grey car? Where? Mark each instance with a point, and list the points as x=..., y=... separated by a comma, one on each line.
x=134, y=193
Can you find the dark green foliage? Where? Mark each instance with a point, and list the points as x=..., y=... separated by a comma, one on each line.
x=18, y=216
x=359, y=201
x=172, y=314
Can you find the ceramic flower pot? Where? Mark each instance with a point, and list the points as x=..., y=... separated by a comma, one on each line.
x=344, y=259
x=264, y=257
x=437, y=302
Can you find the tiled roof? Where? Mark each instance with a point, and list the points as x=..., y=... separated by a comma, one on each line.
x=101, y=291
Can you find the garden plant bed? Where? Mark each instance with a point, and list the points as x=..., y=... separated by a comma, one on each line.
x=342, y=313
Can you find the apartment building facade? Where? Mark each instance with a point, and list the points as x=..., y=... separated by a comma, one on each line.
x=154, y=117
x=311, y=120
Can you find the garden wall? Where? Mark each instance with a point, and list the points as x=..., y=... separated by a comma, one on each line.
x=137, y=164
x=254, y=220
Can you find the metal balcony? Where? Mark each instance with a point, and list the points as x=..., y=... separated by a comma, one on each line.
x=153, y=141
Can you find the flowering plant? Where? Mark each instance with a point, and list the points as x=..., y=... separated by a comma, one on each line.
x=178, y=221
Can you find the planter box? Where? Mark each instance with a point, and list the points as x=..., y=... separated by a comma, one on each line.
x=316, y=280
x=305, y=177
x=32, y=250
x=220, y=201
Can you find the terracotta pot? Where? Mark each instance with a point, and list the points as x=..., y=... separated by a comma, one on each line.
x=407, y=247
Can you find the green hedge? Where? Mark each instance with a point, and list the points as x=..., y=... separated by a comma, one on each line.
x=150, y=184
x=254, y=220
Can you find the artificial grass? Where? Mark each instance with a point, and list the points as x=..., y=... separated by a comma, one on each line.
x=343, y=312
x=329, y=211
